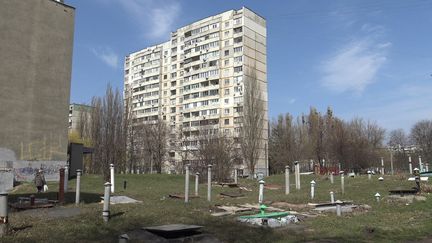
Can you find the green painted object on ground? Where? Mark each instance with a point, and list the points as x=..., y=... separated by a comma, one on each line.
x=264, y=215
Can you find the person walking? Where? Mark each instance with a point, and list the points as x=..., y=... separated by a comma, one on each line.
x=39, y=180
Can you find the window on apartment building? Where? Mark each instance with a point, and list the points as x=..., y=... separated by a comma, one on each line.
x=174, y=67
x=227, y=81
x=238, y=69
x=238, y=59
x=238, y=40
x=203, y=112
x=173, y=109
x=226, y=33
x=226, y=111
x=237, y=30
x=226, y=101
x=173, y=118
x=204, y=103
x=237, y=21
x=226, y=92
x=227, y=42
x=173, y=75
x=226, y=122
x=226, y=52
x=165, y=76
x=238, y=109
x=238, y=49
x=227, y=24
x=226, y=62
x=237, y=120
x=213, y=111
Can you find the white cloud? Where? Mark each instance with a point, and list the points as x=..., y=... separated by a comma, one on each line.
x=106, y=55
x=354, y=66
x=154, y=18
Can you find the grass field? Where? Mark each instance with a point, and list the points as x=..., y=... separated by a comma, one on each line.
x=384, y=222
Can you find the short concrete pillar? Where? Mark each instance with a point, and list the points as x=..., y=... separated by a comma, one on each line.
x=378, y=197
x=410, y=165
x=427, y=166
x=342, y=181
x=312, y=189
x=209, y=180
x=106, y=204
x=297, y=174
x=331, y=177
x=338, y=208
x=186, y=193
x=66, y=179
x=196, y=183
x=287, y=180
x=235, y=175
x=382, y=166
x=369, y=174
x=4, y=222
x=112, y=177
x=261, y=192
x=78, y=187
x=332, y=197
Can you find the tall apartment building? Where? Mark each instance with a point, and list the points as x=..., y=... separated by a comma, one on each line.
x=198, y=77
x=36, y=43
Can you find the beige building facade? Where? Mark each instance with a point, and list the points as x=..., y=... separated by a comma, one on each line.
x=198, y=78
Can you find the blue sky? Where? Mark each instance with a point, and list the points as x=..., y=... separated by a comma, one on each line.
x=368, y=59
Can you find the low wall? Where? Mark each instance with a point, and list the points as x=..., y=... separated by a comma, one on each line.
x=6, y=180
x=26, y=170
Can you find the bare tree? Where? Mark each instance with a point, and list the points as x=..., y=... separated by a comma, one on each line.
x=421, y=134
x=252, y=126
x=154, y=138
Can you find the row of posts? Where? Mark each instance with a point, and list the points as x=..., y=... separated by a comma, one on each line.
x=209, y=176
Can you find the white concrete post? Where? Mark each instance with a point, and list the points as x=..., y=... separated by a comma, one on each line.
x=138, y=171
x=391, y=162
x=382, y=166
x=186, y=193
x=324, y=163
x=4, y=223
x=196, y=183
x=66, y=178
x=106, y=211
x=342, y=181
x=338, y=208
x=297, y=174
x=420, y=164
x=377, y=196
x=332, y=197
x=235, y=176
x=340, y=167
x=331, y=178
x=287, y=180
x=209, y=182
x=427, y=166
x=312, y=192
x=261, y=192
x=410, y=165
x=78, y=187
x=112, y=177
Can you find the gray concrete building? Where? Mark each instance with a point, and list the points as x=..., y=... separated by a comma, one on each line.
x=35, y=73
x=199, y=78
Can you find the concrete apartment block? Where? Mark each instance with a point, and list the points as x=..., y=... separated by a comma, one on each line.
x=198, y=77
x=36, y=45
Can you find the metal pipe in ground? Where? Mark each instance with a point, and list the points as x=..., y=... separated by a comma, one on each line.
x=4, y=223
x=66, y=180
x=106, y=211
x=342, y=182
x=332, y=197
x=112, y=177
x=235, y=176
x=78, y=187
x=261, y=192
x=287, y=180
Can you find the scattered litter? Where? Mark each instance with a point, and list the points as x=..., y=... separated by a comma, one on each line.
x=245, y=189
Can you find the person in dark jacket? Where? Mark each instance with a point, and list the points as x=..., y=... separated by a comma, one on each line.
x=39, y=180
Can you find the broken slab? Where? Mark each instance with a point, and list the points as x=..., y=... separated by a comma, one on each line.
x=405, y=198
x=181, y=196
x=231, y=194
x=257, y=206
x=272, y=187
x=228, y=184
x=121, y=200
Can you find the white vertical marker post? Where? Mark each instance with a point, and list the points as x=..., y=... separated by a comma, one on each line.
x=342, y=181
x=287, y=180
x=332, y=197
x=261, y=192
x=382, y=166
x=410, y=165
x=427, y=166
x=196, y=183
x=78, y=187
x=338, y=208
x=312, y=192
x=66, y=178
x=369, y=174
x=421, y=164
x=331, y=177
x=4, y=222
x=106, y=211
x=186, y=194
x=378, y=197
x=112, y=177
x=209, y=176
x=235, y=176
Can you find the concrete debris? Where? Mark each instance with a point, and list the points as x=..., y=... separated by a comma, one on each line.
x=271, y=222
x=245, y=189
x=291, y=205
x=272, y=187
x=405, y=198
x=257, y=206
x=121, y=200
x=231, y=194
x=422, y=178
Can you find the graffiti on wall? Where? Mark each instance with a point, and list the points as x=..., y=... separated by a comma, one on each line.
x=26, y=170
